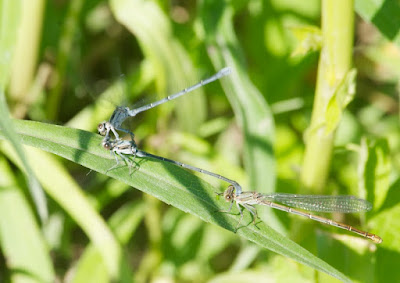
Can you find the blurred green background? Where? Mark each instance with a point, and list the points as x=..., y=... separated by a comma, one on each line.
x=70, y=63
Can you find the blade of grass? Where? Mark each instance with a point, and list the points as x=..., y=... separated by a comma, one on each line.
x=251, y=110
x=124, y=223
x=384, y=14
x=64, y=190
x=71, y=25
x=21, y=240
x=166, y=182
x=9, y=24
x=26, y=51
x=374, y=169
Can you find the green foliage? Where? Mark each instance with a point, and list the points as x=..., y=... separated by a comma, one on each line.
x=383, y=14
x=341, y=97
x=309, y=39
x=162, y=222
x=172, y=185
x=26, y=252
x=10, y=13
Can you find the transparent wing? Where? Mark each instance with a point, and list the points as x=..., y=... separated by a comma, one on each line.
x=321, y=203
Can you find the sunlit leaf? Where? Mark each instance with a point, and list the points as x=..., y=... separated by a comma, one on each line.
x=309, y=39
x=383, y=14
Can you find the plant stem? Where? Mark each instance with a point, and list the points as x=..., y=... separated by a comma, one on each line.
x=334, y=63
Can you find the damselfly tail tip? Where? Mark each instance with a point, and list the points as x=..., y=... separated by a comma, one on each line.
x=225, y=71
x=376, y=239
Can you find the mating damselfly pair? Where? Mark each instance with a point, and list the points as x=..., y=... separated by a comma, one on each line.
x=127, y=149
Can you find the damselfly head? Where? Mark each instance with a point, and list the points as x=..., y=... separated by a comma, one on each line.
x=229, y=194
x=107, y=144
x=101, y=128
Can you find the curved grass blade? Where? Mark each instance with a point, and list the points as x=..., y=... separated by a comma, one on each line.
x=383, y=15
x=22, y=243
x=251, y=110
x=124, y=223
x=166, y=182
x=64, y=190
x=9, y=24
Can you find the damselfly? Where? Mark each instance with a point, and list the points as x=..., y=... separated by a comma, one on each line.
x=319, y=203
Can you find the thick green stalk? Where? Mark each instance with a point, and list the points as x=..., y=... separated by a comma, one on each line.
x=334, y=64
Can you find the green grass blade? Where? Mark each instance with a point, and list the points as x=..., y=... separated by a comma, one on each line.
x=66, y=44
x=384, y=14
x=374, y=170
x=9, y=24
x=26, y=51
x=167, y=182
x=64, y=190
x=21, y=240
x=123, y=222
x=250, y=107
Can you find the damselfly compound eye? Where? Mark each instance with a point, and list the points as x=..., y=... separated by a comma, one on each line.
x=107, y=145
x=101, y=128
